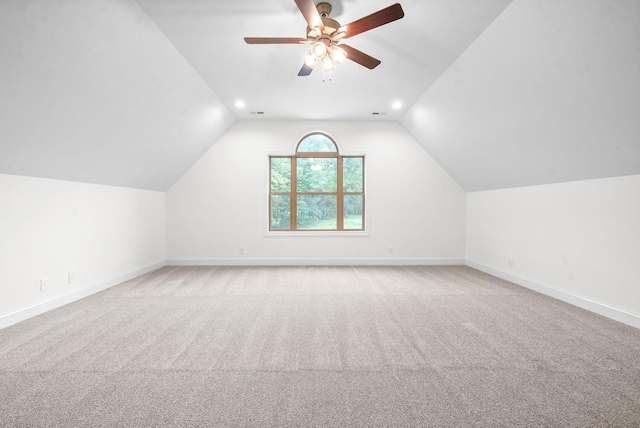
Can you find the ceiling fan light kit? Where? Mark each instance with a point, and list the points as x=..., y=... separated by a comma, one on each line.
x=319, y=49
x=324, y=34
x=338, y=54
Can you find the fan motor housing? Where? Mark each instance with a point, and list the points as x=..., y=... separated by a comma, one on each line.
x=330, y=27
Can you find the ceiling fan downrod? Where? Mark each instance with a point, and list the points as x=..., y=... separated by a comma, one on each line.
x=324, y=9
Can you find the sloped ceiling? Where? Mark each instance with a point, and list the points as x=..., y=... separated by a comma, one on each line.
x=92, y=91
x=132, y=92
x=550, y=92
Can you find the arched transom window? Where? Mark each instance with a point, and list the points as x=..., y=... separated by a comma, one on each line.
x=316, y=188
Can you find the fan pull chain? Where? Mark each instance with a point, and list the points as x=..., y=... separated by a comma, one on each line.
x=323, y=74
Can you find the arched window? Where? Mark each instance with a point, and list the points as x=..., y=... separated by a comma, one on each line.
x=316, y=188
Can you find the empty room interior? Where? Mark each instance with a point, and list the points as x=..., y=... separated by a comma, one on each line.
x=341, y=213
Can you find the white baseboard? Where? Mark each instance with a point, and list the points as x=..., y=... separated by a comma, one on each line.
x=600, y=308
x=318, y=262
x=39, y=308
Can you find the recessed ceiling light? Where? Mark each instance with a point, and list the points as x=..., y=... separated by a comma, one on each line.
x=396, y=105
x=240, y=104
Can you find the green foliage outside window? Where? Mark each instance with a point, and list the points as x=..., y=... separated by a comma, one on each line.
x=280, y=174
x=304, y=189
x=317, y=174
x=317, y=143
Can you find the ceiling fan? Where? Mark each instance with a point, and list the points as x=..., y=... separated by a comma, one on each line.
x=324, y=34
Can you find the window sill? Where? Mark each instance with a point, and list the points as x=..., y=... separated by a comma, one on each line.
x=319, y=233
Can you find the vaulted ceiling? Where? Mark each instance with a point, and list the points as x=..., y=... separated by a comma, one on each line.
x=501, y=93
x=415, y=51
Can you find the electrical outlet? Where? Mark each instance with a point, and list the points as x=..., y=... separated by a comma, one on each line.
x=241, y=251
x=390, y=250
x=44, y=284
x=71, y=278
x=510, y=261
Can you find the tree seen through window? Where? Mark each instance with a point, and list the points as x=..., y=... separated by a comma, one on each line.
x=316, y=189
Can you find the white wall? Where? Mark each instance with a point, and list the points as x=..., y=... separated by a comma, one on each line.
x=220, y=204
x=578, y=239
x=50, y=227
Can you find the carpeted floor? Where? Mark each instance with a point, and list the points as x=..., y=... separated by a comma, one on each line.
x=319, y=346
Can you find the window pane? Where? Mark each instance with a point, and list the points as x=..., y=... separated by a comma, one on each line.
x=280, y=174
x=317, y=143
x=352, y=174
x=317, y=174
x=280, y=212
x=353, y=209
x=317, y=212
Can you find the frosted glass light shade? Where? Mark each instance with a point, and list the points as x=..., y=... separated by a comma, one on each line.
x=327, y=63
x=310, y=60
x=338, y=54
x=318, y=50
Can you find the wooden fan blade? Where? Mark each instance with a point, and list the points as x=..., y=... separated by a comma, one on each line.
x=376, y=19
x=305, y=70
x=360, y=57
x=274, y=40
x=310, y=13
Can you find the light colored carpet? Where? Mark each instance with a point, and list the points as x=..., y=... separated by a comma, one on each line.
x=319, y=346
